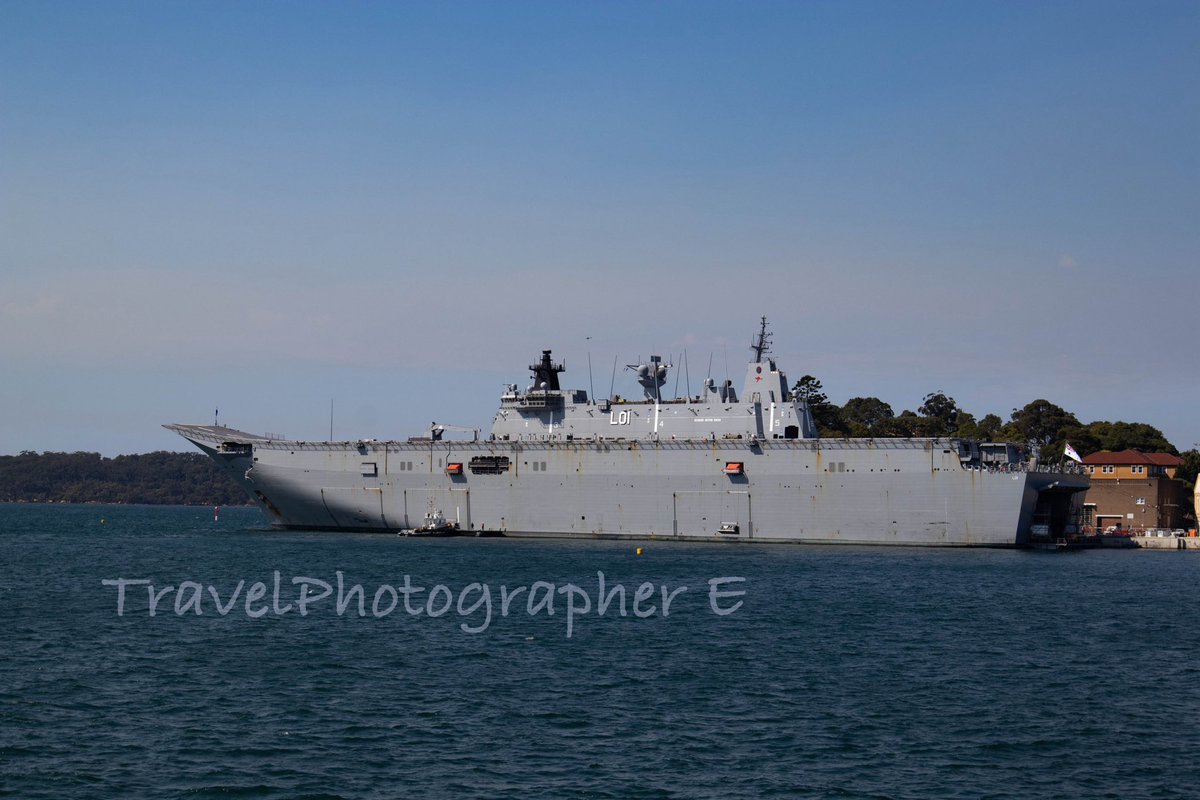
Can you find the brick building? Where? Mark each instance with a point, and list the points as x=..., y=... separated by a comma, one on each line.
x=1134, y=491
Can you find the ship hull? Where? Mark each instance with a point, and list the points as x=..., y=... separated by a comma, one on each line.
x=872, y=492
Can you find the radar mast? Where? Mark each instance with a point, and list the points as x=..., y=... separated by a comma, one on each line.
x=762, y=343
x=545, y=373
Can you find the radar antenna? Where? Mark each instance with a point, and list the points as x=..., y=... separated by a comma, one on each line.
x=652, y=376
x=762, y=343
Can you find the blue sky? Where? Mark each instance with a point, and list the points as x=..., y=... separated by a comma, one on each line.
x=264, y=207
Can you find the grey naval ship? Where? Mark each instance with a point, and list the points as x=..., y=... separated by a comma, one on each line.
x=724, y=465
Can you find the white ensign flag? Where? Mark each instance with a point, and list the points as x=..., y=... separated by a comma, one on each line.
x=1069, y=452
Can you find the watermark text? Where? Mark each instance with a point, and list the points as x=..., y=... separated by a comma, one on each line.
x=476, y=604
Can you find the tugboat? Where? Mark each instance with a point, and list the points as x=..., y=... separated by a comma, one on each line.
x=434, y=524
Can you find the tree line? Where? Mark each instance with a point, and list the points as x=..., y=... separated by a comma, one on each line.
x=1040, y=423
x=160, y=478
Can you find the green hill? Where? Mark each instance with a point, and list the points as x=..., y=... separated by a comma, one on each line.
x=160, y=478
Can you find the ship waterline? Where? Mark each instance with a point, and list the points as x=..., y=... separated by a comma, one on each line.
x=717, y=467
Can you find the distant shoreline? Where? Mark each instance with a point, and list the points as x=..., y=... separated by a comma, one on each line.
x=3, y=502
x=160, y=478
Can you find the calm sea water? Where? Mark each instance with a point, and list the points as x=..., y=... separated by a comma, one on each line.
x=845, y=672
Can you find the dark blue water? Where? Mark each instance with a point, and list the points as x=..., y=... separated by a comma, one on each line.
x=846, y=672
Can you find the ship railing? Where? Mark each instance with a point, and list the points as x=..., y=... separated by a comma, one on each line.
x=883, y=443
x=1061, y=467
x=533, y=401
x=998, y=467
x=1021, y=466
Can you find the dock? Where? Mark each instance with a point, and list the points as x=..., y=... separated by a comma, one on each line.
x=1167, y=542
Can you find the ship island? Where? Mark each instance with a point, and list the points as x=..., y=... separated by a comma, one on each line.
x=742, y=465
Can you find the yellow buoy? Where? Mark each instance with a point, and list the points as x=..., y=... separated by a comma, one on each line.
x=639, y=551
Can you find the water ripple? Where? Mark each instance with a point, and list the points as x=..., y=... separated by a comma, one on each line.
x=849, y=672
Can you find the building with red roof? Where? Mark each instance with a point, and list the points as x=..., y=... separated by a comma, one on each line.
x=1133, y=491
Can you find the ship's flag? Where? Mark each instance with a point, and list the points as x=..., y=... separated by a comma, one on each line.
x=1069, y=452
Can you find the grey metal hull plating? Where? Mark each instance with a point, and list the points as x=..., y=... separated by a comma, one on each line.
x=882, y=491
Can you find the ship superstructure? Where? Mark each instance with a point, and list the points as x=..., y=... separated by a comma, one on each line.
x=721, y=465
